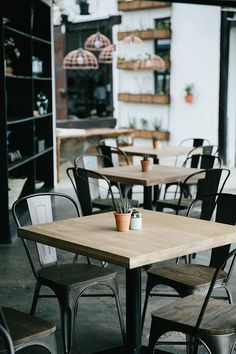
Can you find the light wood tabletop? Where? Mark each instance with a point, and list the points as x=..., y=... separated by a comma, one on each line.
x=160, y=152
x=159, y=174
x=163, y=236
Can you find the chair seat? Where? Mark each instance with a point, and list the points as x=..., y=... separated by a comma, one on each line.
x=182, y=315
x=107, y=203
x=190, y=276
x=69, y=276
x=25, y=328
x=173, y=203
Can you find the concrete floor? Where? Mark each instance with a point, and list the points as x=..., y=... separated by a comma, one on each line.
x=97, y=326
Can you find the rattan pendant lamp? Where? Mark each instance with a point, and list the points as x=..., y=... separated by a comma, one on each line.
x=96, y=42
x=80, y=59
x=106, y=55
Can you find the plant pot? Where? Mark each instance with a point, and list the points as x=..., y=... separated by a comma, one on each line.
x=84, y=8
x=145, y=164
x=155, y=144
x=122, y=221
x=188, y=98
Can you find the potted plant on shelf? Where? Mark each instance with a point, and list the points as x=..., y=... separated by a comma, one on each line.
x=188, y=93
x=122, y=214
x=84, y=7
x=155, y=142
x=145, y=163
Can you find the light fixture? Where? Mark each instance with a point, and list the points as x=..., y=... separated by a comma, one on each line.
x=96, y=42
x=106, y=55
x=80, y=59
x=154, y=62
x=132, y=39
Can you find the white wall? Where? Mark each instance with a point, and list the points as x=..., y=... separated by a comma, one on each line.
x=195, y=58
x=134, y=81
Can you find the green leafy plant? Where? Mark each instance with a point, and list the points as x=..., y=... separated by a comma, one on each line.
x=122, y=205
x=155, y=138
x=145, y=158
x=156, y=124
x=189, y=89
x=132, y=123
x=144, y=123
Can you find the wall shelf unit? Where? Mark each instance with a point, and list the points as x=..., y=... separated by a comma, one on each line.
x=136, y=65
x=156, y=33
x=148, y=134
x=26, y=126
x=144, y=98
x=140, y=5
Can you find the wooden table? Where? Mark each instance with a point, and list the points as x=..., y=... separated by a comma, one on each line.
x=158, y=174
x=163, y=236
x=156, y=154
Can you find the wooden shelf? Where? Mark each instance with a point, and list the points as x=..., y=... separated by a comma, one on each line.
x=141, y=5
x=135, y=65
x=148, y=134
x=144, y=98
x=156, y=33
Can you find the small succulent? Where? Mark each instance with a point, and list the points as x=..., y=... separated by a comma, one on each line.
x=136, y=214
x=188, y=89
x=155, y=138
x=122, y=205
x=145, y=158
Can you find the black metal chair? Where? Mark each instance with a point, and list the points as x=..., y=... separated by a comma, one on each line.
x=206, y=320
x=20, y=330
x=88, y=186
x=67, y=281
x=203, y=182
x=194, y=143
x=189, y=279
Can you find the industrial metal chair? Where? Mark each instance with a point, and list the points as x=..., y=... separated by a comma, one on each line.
x=89, y=186
x=194, y=143
x=20, y=330
x=206, y=320
x=203, y=182
x=67, y=281
x=189, y=279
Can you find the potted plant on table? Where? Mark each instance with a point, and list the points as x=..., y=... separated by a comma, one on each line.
x=145, y=163
x=188, y=93
x=122, y=214
x=155, y=142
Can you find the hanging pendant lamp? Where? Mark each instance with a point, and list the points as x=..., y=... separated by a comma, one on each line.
x=132, y=39
x=80, y=59
x=154, y=62
x=106, y=55
x=96, y=42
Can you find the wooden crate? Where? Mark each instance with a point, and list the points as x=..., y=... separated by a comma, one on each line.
x=143, y=98
x=140, y=5
x=148, y=134
x=156, y=33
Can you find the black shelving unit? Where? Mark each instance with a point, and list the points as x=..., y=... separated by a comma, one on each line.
x=27, y=119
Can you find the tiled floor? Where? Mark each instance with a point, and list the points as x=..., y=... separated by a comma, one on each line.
x=97, y=325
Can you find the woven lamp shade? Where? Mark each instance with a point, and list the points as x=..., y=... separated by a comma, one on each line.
x=152, y=63
x=106, y=55
x=80, y=59
x=132, y=39
x=96, y=42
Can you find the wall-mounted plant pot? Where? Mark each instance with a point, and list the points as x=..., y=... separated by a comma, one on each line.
x=84, y=8
x=188, y=98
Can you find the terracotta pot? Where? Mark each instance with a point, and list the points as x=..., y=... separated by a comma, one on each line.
x=188, y=98
x=122, y=221
x=155, y=144
x=145, y=164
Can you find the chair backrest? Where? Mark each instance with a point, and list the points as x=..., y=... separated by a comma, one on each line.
x=221, y=266
x=5, y=337
x=208, y=181
x=218, y=207
x=92, y=161
x=116, y=155
x=42, y=208
x=195, y=142
x=210, y=150
x=86, y=183
x=202, y=161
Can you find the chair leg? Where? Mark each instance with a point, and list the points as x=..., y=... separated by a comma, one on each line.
x=67, y=326
x=155, y=333
x=222, y=344
x=114, y=288
x=35, y=298
x=229, y=295
x=149, y=287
